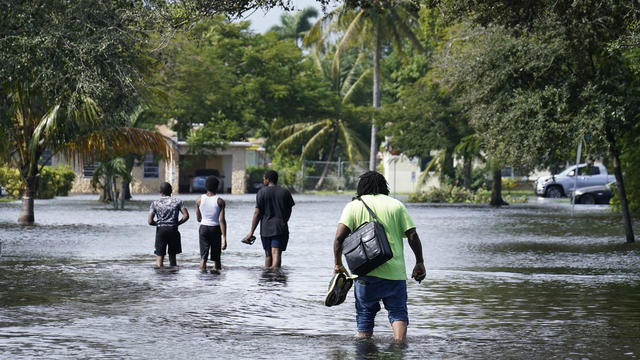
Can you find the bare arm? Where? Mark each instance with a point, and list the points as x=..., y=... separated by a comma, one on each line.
x=198, y=213
x=185, y=216
x=254, y=223
x=150, y=220
x=419, y=271
x=223, y=223
x=341, y=233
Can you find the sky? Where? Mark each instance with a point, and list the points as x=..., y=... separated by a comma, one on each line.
x=261, y=21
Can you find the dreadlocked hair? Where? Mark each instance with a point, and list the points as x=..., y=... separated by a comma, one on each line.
x=372, y=183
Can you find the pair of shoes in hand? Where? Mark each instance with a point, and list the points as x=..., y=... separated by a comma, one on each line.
x=338, y=289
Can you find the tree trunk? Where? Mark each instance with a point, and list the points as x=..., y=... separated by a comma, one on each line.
x=114, y=192
x=622, y=194
x=106, y=189
x=466, y=169
x=448, y=170
x=126, y=191
x=496, y=189
x=326, y=166
x=373, y=151
x=30, y=187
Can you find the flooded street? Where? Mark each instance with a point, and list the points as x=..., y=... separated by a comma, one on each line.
x=525, y=281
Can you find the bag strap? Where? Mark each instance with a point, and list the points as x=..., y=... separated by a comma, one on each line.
x=369, y=209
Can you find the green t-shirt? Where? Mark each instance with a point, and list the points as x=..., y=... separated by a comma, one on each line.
x=396, y=221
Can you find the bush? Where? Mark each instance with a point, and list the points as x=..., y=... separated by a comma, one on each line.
x=508, y=183
x=288, y=169
x=11, y=182
x=457, y=194
x=53, y=182
x=64, y=180
x=444, y=194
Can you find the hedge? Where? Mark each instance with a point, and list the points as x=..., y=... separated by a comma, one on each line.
x=53, y=182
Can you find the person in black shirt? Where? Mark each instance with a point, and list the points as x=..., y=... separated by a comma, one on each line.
x=273, y=210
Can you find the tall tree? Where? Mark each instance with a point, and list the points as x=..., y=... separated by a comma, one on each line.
x=295, y=26
x=539, y=76
x=61, y=63
x=370, y=26
x=226, y=83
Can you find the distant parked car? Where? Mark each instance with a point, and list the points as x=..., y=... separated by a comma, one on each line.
x=200, y=178
x=598, y=194
x=562, y=184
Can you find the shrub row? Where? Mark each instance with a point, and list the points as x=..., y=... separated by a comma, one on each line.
x=457, y=194
x=53, y=182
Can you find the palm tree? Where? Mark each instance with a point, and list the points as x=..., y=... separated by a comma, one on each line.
x=295, y=26
x=105, y=177
x=345, y=81
x=368, y=28
x=74, y=127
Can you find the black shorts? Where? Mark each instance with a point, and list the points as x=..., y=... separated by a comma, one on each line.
x=167, y=236
x=210, y=238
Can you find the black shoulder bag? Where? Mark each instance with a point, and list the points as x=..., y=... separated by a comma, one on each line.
x=367, y=247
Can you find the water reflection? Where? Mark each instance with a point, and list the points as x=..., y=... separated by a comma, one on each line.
x=271, y=276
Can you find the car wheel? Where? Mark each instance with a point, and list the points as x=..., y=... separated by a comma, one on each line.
x=587, y=199
x=554, y=192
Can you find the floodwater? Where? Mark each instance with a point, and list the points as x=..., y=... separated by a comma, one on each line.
x=526, y=281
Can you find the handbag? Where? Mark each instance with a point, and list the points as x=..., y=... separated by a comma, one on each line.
x=367, y=247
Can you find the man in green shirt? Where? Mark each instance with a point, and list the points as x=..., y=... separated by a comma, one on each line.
x=387, y=282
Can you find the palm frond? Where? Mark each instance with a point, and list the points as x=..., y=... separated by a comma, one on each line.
x=318, y=31
x=107, y=144
x=354, y=147
x=316, y=139
x=289, y=130
x=436, y=164
x=304, y=132
x=405, y=29
x=352, y=74
x=350, y=35
x=363, y=77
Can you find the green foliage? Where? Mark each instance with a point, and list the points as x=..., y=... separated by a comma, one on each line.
x=443, y=194
x=537, y=79
x=287, y=168
x=52, y=182
x=630, y=159
x=10, y=180
x=457, y=194
x=226, y=83
x=508, y=183
x=295, y=26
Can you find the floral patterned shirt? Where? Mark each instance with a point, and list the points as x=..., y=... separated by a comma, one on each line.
x=166, y=209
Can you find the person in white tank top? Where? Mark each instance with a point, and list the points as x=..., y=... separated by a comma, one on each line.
x=210, y=213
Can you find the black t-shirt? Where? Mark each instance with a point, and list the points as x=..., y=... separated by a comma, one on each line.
x=275, y=205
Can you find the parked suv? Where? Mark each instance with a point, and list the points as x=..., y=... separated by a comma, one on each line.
x=562, y=184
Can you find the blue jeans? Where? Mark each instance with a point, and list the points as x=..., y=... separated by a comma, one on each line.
x=369, y=290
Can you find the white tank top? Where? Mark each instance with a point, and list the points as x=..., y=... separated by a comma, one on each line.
x=210, y=210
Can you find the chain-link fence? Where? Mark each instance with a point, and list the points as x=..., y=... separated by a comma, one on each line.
x=330, y=175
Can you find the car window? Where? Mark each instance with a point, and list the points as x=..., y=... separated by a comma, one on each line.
x=589, y=170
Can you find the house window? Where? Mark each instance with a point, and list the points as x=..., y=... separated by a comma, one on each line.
x=89, y=168
x=46, y=159
x=150, y=167
x=507, y=171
